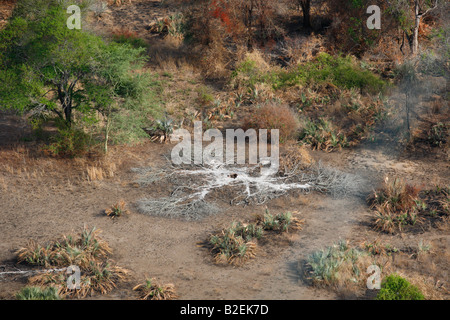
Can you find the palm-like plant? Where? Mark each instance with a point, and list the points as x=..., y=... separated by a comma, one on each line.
x=150, y=290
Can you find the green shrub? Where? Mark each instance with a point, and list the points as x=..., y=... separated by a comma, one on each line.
x=205, y=97
x=38, y=293
x=69, y=142
x=131, y=39
x=336, y=264
x=339, y=71
x=247, y=74
x=395, y=287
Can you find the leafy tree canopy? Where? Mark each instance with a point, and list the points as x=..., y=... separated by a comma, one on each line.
x=45, y=66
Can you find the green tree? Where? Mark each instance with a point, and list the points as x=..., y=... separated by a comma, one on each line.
x=114, y=84
x=45, y=66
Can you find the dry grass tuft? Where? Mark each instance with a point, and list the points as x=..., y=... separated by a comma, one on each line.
x=101, y=170
x=293, y=158
x=395, y=205
x=150, y=290
x=98, y=277
x=398, y=204
x=237, y=244
x=78, y=250
x=338, y=266
x=119, y=2
x=117, y=210
x=86, y=251
x=233, y=245
x=94, y=173
x=3, y=184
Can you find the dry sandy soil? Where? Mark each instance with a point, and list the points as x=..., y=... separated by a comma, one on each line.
x=42, y=198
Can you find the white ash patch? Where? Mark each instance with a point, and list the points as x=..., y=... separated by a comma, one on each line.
x=193, y=187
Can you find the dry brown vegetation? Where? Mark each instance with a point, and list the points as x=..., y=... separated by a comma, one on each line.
x=151, y=290
x=274, y=116
x=117, y=210
x=342, y=267
x=86, y=251
x=239, y=243
x=399, y=204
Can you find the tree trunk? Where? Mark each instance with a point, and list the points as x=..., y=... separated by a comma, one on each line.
x=108, y=128
x=249, y=20
x=306, y=9
x=66, y=104
x=415, y=39
x=408, y=125
x=68, y=114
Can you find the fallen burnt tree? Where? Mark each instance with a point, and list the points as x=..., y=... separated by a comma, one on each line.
x=195, y=188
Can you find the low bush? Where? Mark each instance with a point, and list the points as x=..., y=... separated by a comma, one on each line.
x=398, y=204
x=438, y=134
x=395, y=205
x=377, y=248
x=69, y=142
x=340, y=71
x=325, y=70
x=248, y=232
x=173, y=25
x=70, y=250
x=161, y=129
x=117, y=210
x=205, y=97
x=234, y=245
x=98, y=277
x=274, y=116
x=338, y=265
x=237, y=244
x=128, y=37
x=395, y=287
